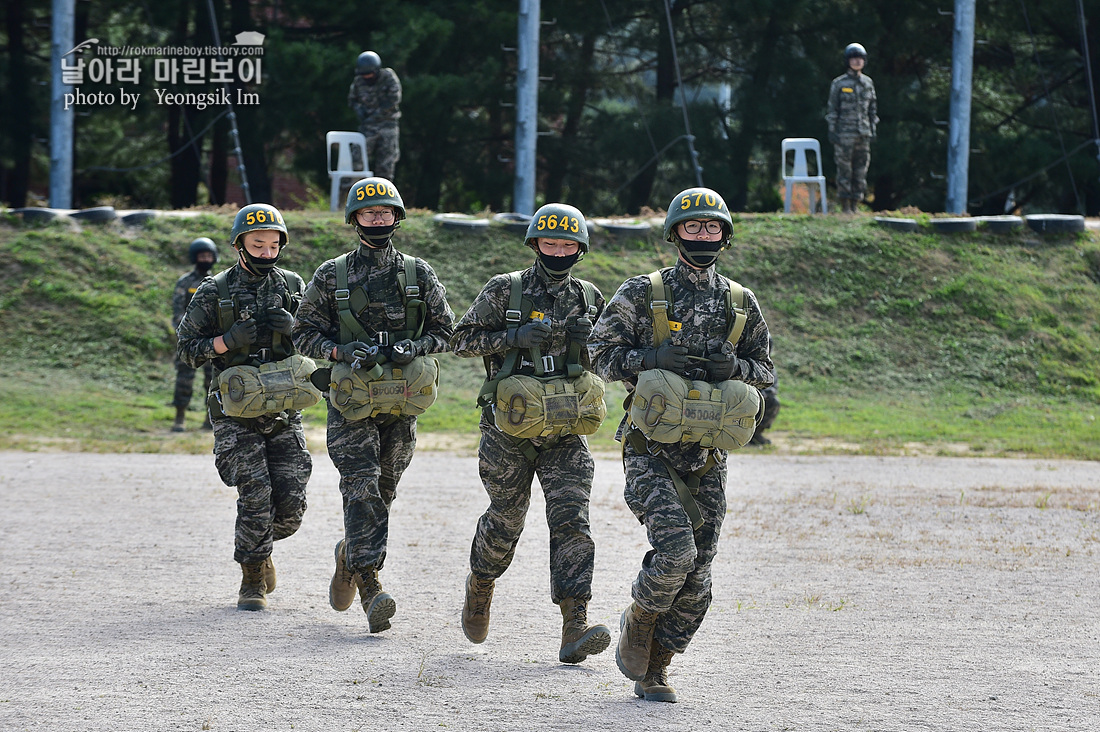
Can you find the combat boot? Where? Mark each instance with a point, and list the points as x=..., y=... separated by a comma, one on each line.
x=378, y=605
x=654, y=686
x=253, y=594
x=635, y=641
x=341, y=590
x=181, y=412
x=579, y=640
x=269, y=574
x=475, y=611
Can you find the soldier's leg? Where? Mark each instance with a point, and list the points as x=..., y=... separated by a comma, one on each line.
x=843, y=153
x=290, y=466
x=354, y=449
x=506, y=475
x=397, y=441
x=565, y=472
x=240, y=456
x=677, y=625
x=185, y=384
x=386, y=152
x=861, y=161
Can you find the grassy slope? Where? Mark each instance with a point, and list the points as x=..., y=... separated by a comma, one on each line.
x=985, y=344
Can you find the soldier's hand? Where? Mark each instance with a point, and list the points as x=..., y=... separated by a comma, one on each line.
x=404, y=352
x=722, y=367
x=240, y=334
x=349, y=352
x=530, y=335
x=579, y=330
x=280, y=320
x=667, y=356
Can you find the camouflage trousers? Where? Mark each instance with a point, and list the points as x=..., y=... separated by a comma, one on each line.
x=676, y=574
x=270, y=473
x=853, y=157
x=371, y=457
x=771, y=408
x=185, y=383
x=564, y=468
x=383, y=149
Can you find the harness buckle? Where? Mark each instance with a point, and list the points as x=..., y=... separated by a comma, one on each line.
x=343, y=294
x=383, y=337
x=659, y=305
x=412, y=291
x=512, y=317
x=548, y=363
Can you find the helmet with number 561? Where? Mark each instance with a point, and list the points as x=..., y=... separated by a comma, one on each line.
x=373, y=192
x=697, y=203
x=558, y=221
x=258, y=217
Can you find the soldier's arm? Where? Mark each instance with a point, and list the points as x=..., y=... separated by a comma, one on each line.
x=179, y=303
x=834, y=100
x=316, y=328
x=199, y=327
x=390, y=94
x=586, y=352
x=872, y=109
x=482, y=330
x=440, y=323
x=616, y=345
x=754, y=348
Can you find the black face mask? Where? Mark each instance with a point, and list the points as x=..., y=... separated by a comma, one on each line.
x=375, y=237
x=260, y=266
x=701, y=254
x=558, y=267
x=204, y=267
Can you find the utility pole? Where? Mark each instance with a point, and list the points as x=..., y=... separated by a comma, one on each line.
x=958, y=145
x=61, y=119
x=527, y=106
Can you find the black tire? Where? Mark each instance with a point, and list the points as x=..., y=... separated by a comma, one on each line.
x=464, y=222
x=897, y=224
x=514, y=223
x=36, y=215
x=97, y=215
x=138, y=218
x=1056, y=223
x=954, y=225
x=1001, y=224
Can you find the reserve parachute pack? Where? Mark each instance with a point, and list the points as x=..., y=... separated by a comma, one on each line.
x=544, y=404
x=383, y=389
x=247, y=391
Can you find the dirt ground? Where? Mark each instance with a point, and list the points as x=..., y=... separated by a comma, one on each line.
x=851, y=593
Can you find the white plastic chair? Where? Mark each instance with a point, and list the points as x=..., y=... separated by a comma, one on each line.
x=342, y=164
x=800, y=170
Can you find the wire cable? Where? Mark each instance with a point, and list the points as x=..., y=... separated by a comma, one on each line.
x=165, y=159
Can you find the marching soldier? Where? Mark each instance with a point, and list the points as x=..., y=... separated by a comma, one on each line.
x=853, y=122
x=701, y=312
x=371, y=307
x=375, y=95
x=203, y=254
x=537, y=323
x=243, y=317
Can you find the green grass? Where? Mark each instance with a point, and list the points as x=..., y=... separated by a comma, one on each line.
x=886, y=343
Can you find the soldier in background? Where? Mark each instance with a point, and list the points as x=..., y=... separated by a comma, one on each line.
x=672, y=589
x=203, y=254
x=375, y=95
x=771, y=409
x=264, y=458
x=853, y=122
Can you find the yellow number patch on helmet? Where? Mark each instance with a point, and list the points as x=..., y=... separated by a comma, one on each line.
x=374, y=189
x=263, y=217
x=700, y=199
x=553, y=221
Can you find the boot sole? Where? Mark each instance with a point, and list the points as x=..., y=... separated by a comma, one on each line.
x=658, y=696
x=471, y=638
x=596, y=640
x=252, y=605
x=619, y=659
x=382, y=608
x=332, y=583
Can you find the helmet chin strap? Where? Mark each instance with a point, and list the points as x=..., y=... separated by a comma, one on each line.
x=375, y=237
x=256, y=265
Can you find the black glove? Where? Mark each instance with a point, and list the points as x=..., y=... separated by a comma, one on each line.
x=667, y=356
x=240, y=334
x=723, y=367
x=280, y=320
x=834, y=137
x=349, y=352
x=529, y=335
x=404, y=352
x=579, y=330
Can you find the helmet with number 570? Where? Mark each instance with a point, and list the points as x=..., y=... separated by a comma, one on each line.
x=558, y=221
x=697, y=203
x=373, y=192
x=258, y=217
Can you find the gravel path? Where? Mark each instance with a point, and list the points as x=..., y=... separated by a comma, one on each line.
x=850, y=593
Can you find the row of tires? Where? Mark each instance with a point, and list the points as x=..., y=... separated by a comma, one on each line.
x=1042, y=223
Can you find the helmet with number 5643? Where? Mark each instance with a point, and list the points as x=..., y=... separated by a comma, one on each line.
x=258, y=217
x=697, y=203
x=558, y=221
x=373, y=192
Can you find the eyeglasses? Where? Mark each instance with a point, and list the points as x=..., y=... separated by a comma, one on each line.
x=384, y=214
x=712, y=227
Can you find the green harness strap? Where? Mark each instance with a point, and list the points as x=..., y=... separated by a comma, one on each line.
x=350, y=303
x=228, y=312
x=686, y=486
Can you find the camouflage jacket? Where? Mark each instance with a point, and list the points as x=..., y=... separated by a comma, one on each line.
x=482, y=330
x=853, y=107
x=256, y=294
x=181, y=296
x=376, y=103
x=317, y=327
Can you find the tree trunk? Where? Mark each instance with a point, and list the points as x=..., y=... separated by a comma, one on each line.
x=249, y=120
x=20, y=134
x=558, y=164
x=754, y=97
x=219, y=162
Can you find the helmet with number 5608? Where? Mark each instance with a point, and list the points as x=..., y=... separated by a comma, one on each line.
x=558, y=221
x=373, y=192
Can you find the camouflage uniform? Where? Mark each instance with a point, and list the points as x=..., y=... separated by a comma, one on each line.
x=564, y=465
x=185, y=375
x=377, y=108
x=371, y=454
x=675, y=577
x=853, y=121
x=265, y=458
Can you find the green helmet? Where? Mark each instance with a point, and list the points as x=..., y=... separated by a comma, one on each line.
x=373, y=192
x=202, y=244
x=558, y=221
x=697, y=203
x=258, y=217
x=368, y=63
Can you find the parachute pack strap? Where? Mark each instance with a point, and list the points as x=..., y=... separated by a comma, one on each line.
x=350, y=329
x=282, y=345
x=525, y=446
x=660, y=303
x=573, y=354
x=227, y=311
x=416, y=310
x=518, y=311
x=736, y=314
x=685, y=489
